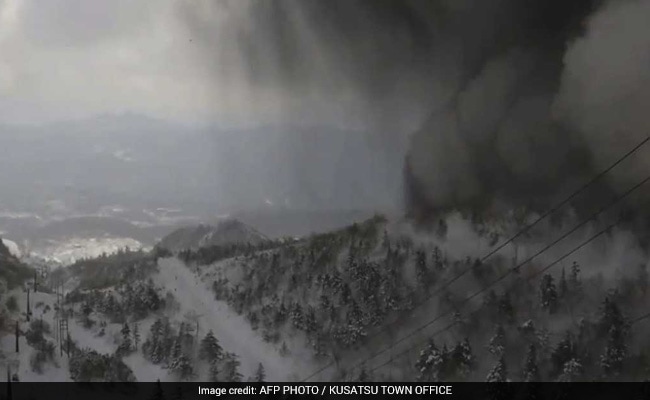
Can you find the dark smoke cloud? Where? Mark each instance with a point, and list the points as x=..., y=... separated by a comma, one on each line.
x=516, y=101
x=375, y=55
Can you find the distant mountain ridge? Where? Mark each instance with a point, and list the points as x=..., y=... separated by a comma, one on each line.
x=225, y=232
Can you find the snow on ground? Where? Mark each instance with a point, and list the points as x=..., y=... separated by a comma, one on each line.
x=233, y=331
x=192, y=294
x=84, y=338
x=145, y=371
x=19, y=362
x=87, y=338
x=233, y=270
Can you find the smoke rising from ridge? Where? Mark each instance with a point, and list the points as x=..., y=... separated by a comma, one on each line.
x=505, y=101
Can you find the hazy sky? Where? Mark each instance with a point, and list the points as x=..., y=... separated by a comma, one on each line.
x=186, y=60
x=62, y=59
x=74, y=58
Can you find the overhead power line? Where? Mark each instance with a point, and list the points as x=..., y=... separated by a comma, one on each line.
x=546, y=268
x=518, y=266
x=527, y=228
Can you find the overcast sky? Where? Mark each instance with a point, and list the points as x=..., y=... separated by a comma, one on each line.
x=63, y=59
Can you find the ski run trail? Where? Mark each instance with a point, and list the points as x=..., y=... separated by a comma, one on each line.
x=193, y=295
x=233, y=331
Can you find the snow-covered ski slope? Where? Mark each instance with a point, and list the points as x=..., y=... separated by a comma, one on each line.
x=233, y=331
x=193, y=293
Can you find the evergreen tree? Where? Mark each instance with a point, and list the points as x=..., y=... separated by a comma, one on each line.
x=152, y=348
x=176, y=349
x=421, y=271
x=430, y=363
x=117, y=371
x=497, y=343
x=213, y=372
x=17, y=333
x=28, y=313
x=355, y=315
x=445, y=368
x=167, y=340
x=574, y=278
x=136, y=336
x=499, y=372
x=281, y=315
x=462, y=359
x=210, y=350
x=231, y=368
x=438, y=261
x=571, y=371
x=611, y=317
x=565, y=351
x=319, y=344
x=182, y=367
x=311, y=325
x=126, y=333
x=531, y=371
x=297, y=317
x=125, y=346
x=180, y=363
x=260, y=374
x=548, y=294
x=615, y=352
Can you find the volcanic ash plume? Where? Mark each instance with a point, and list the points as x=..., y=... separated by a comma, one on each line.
x=513, y=102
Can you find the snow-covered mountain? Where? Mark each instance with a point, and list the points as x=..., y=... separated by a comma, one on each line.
x=330, y=301
x=225, y=232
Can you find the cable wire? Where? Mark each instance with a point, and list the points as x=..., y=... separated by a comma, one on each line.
x=517, y=267
x=508, y=241
x=557, y=261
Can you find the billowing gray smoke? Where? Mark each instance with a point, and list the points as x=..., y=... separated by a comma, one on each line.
x=517, y=101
